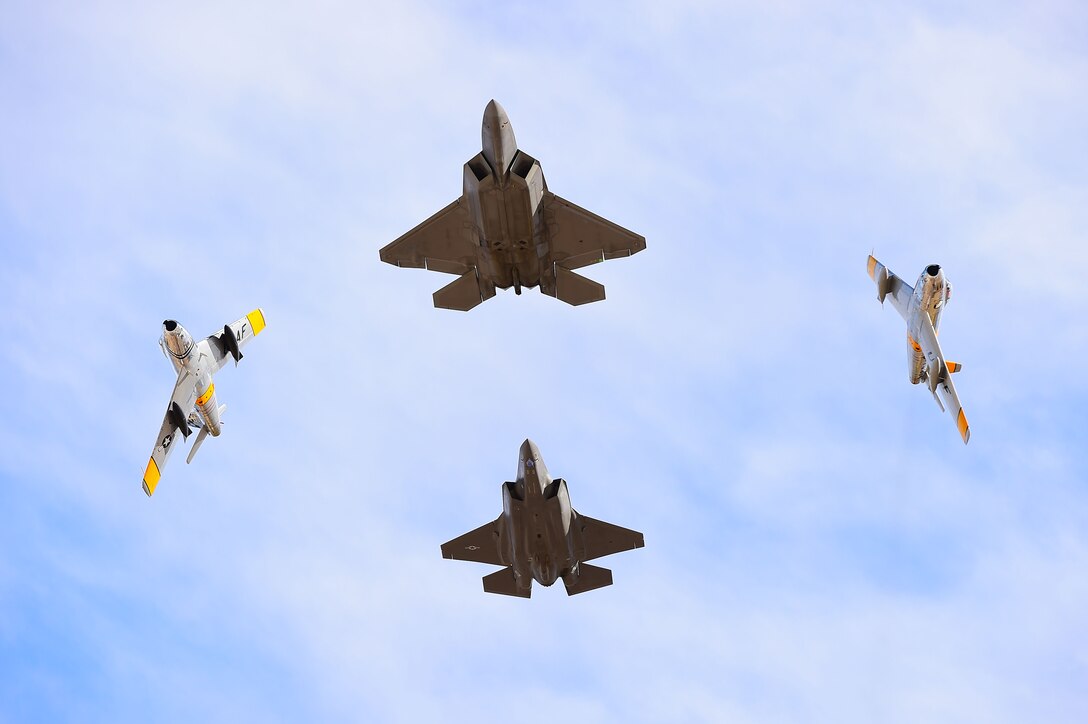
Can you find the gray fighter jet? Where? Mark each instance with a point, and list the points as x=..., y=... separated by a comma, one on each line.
x=507, y=230
x=193, y=405
x=921, y=308
x=538, y=535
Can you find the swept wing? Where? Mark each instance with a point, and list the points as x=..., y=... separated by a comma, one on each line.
x=222, y=345
x=442, y=243
x=480, y=545
x=603, y=539
x=889, y=285
x=182, y=403
x=579, y=237
x=939, y=375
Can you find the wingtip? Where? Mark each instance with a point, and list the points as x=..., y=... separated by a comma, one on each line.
x=256, y=320
x=964, y=428
x=151, y=477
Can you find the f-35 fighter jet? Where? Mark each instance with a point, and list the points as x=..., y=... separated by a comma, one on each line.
x=193, y=404
x=921, y=308
x=507, y=230
x=538, y=535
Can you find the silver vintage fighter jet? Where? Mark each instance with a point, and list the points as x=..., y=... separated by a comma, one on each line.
x=193, y=404
x=921, y=307
x=507, y=230
x=539, y=536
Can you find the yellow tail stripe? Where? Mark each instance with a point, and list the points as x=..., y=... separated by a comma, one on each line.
x=872, y=266
x=203, y=399
x=256, y=320
x=151, y=476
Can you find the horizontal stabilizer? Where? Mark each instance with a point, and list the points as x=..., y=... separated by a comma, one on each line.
x=196, y=445
x=954, y=367
x=576, y=289
x=462, y=294
x=504, y=582
x=589, y=578
x=200, y=437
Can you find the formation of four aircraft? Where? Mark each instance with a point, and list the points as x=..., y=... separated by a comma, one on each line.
x=508, y=230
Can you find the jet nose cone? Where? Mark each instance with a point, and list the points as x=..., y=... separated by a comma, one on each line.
x=529, y=450
x=499, y=144
x=495, y=112
x=169, y=325
x=933, y=269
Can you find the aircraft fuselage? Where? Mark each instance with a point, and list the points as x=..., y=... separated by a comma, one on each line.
x=503, y=191
x=536, y=537
x=196, y=360
x=930, y=295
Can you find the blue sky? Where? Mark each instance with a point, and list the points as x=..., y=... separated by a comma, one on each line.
x=820, y=544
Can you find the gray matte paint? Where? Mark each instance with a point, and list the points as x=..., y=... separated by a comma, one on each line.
x=539, y=536
x=508, y=230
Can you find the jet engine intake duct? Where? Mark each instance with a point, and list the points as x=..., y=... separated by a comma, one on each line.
x=177, y=340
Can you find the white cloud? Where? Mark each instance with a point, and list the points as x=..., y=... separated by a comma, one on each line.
x=820, y=544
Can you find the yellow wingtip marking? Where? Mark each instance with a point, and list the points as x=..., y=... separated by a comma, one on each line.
x=256, y=320
x=961, y=423
x=151, y=477
x=872, y=266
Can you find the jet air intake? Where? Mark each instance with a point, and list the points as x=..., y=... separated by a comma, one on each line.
x=177, y=340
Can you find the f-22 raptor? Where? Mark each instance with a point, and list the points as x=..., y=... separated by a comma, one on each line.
x=540, y=536
x=508, y=230
x=921, y=307
x=193, y=404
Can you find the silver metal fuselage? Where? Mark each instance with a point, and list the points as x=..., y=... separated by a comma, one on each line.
x=536, y=538
x=196, y=360
x=503, y=190
x=931, y=293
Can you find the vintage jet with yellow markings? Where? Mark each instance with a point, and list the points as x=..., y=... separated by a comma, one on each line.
x=921, y=308
x=540, y=536
x=193, y=404
x=508, y=230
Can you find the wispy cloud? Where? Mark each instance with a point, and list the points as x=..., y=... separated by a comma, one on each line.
x=820, y=545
